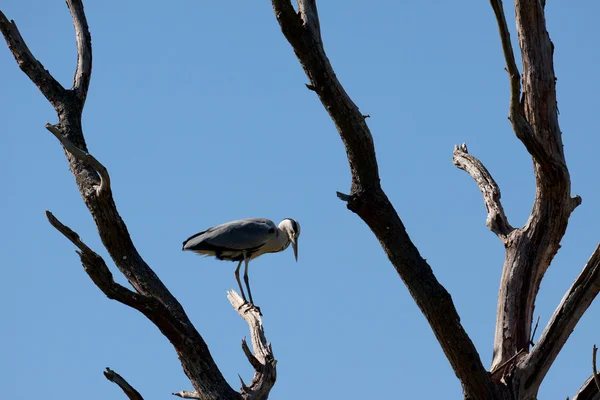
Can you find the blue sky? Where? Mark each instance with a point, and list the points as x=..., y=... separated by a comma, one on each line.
x=200, y=112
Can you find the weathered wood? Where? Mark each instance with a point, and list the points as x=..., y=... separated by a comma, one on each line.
x=129, y=390
x=534, y=118
x=262, y=359
x=496, y=219
x=150, y=297
x=574, y=304
x=369, y=201
x=529, y=250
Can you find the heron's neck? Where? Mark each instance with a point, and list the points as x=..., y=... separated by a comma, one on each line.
x=283, y=239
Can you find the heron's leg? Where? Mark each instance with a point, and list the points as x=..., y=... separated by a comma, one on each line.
x=247, y=281
x=237, y=278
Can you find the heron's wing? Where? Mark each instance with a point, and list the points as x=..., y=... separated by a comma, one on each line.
x=235, y=235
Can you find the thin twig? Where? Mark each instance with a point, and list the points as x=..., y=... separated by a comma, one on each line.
x=534, y=330
x=123, y=384
x=83, y=156
x=594, y=370
x=502, y=367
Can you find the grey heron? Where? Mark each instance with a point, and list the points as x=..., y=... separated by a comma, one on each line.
x=244, y=240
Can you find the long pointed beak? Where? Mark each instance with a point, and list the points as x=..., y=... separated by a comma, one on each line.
x=295, y=246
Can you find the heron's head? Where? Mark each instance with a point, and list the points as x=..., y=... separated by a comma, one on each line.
x=292, y=228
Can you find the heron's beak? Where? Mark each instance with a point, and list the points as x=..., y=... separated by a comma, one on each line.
x=295, y=246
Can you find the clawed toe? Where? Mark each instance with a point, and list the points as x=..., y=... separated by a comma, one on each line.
x=250, y=306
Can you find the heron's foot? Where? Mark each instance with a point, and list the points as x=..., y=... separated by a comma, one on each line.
x=250, y=306
x=257, y=308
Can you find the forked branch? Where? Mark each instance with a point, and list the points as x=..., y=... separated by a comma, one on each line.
x=262, y=359
x=534, y=117
x=520, y=124
x=151, y=297
x=496, y=219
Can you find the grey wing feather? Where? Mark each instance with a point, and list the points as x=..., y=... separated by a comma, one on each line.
x=235, y=235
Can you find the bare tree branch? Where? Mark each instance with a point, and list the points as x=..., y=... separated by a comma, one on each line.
x=123, y=384
x=28, y=64
x=97, y=270
x=537, y=322
x=152, y=299
x=594, y=370
x=520, y=124
x=83, y=73
x=566, y=316
x=369, y=201
x=496, y=219
x=534, y=119
x=263, y=361
x=588, y=391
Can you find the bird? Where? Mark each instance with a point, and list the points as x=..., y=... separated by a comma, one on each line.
x=244, y=240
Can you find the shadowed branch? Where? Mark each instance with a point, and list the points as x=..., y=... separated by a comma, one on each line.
x=368, y=200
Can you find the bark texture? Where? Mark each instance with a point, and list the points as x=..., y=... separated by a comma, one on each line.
x=150, y=297
x=515, y=372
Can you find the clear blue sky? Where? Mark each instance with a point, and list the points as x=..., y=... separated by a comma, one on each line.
x=200, y=112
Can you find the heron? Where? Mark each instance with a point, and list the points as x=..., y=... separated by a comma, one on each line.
x=244, y=240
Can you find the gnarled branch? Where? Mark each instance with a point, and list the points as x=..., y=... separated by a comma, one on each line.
x=369, y=201
x=129, y=390
x=534, y=118
x=263, y=361
x=496, y=219
x=151, y=297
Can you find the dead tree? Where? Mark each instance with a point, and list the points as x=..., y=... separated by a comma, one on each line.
x=150, y=296
x=517, y=369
